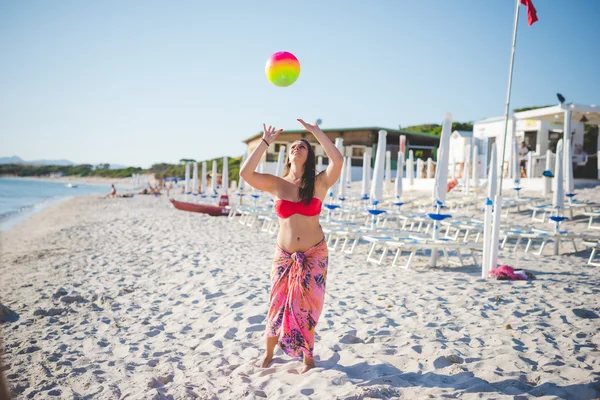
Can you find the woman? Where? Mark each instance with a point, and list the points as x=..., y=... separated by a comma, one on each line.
x=299, y=270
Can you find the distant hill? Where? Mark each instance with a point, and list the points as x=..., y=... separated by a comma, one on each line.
x=19, y=160
x=436, y=129
x=11, y=160
x=62, y=163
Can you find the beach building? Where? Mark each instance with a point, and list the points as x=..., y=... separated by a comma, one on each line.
x=540, y=129
x=357, y=141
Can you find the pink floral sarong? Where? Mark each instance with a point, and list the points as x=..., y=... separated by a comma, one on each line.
x=297, y=294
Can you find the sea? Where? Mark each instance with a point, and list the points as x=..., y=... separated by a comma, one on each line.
x=20, y=198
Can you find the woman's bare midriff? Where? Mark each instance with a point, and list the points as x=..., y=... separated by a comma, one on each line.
x=299, y=233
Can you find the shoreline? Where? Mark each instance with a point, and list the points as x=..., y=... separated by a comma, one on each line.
x=88, y=180
x=97, y=187
x=16, y=219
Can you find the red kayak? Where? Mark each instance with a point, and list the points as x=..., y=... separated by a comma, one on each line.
x=209, y=209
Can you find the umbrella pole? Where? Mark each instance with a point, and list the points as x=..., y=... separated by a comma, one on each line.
x=436, y=236
x=495, y=232
x=373, y=220
x=487, y=227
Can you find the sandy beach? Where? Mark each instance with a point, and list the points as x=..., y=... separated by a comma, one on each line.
x=132, y=299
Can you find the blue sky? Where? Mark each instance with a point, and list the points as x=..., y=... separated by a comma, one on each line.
x=140, y=82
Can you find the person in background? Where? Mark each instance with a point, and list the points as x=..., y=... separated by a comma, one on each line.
x=523, y=150
x=113, y=191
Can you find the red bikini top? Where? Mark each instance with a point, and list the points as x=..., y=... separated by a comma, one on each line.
x=286, y=208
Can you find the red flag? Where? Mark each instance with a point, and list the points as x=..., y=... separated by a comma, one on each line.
x=531, y=12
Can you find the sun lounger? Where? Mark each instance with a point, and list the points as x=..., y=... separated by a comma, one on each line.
x=555, y=237
x=270, y=223
x=595, y=247
x=377, y=240
x=592, y=215
x=414, y=244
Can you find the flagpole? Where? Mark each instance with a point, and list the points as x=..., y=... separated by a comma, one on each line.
x=509, y=89
x=497, y=216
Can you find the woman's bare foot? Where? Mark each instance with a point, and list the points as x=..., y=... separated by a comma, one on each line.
x=267, y=360
x=270, y=348
x=309, y=363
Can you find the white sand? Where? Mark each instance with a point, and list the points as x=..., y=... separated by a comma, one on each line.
x=130, y=298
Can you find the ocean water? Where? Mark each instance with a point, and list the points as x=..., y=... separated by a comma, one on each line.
x=20, y=198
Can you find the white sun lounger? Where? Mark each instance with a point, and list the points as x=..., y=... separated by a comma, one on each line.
x=545, y=237
x=414, y=244
x=377, y=240
x=595, y=247
x=270, y=223
x=547, y=210
x=592, y=215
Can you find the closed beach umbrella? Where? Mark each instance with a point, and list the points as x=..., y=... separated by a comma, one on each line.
x=203, y=179
x=342, y=186
x=429, y=168
x=441, y=179
x=187, y=178
x=516, y=166
x=441, y=172
x=558, y=197
x=225, y=178
x=388, y=167
x=242, y=181
x=348, y=171
x=376, y=194
x=260, y=169
x=568, y=154
x=568, y=171
x=419, y=168
x=213, y=181
x=410, y=168
x=280, y=160
x=475, y=159
x=366, y=176
x=486, y=263
x=399, y=175
x=195, y=179
x=547, y=180
x=493, y=174
x=339, y=143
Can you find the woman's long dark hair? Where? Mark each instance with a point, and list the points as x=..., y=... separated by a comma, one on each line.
x=306, y=191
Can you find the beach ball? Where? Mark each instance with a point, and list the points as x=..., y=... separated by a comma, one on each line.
x=282, y=69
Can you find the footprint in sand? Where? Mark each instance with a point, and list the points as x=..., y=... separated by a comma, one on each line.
x=230, y=334
x=255, y=319
x=267, y=371
x=256, y=328
x=30, y=349
x=152, y=333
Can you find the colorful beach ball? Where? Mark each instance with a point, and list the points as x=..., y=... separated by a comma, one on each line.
x=282, y=69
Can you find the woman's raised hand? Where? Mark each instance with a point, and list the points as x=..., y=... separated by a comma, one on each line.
x=269, y=134
x=312, y=128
